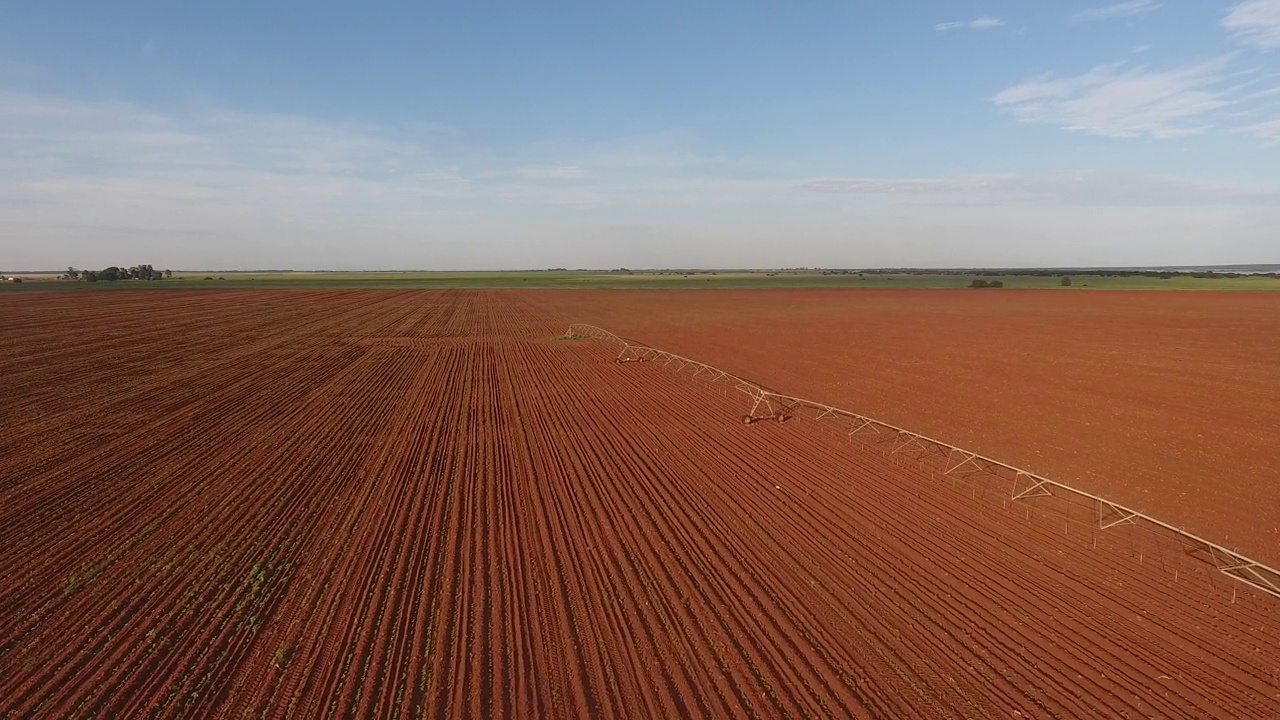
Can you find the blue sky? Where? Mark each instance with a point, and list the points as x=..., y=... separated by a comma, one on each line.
x=239, y=135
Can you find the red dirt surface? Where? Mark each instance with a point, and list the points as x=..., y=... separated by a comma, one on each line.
x=1167, y=402
x=419, y=504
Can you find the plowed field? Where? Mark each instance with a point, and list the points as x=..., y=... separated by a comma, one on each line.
x=1167, y=402
x=421, y=504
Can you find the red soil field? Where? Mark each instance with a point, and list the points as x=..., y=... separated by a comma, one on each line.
x=1167, y=402
x=421, y=504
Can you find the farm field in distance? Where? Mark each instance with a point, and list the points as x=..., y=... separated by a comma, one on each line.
x=425, y=503
x=647, y=279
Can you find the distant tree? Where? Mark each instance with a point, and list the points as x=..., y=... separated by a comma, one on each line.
x=168, y=274
x=72, y=273
x=206, y=277
x=995, y=284
x=978, y=284
x=89, y=276
x=1066, y=281
x=112, y=274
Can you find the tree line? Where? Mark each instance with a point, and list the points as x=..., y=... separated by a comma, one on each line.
x=114, y=273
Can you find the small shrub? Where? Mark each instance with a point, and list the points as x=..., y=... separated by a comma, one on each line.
x=978, y=284
x=1066, y=281
x=206, y=277
x=995, y=284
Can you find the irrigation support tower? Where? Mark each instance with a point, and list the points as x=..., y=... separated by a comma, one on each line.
x=1024, y=486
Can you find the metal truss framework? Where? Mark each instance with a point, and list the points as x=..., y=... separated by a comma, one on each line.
x=957, y=462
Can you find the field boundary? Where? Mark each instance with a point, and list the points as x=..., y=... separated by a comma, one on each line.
x=1022, y=485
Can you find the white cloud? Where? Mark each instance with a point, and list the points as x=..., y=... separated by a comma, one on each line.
x=1269, y=130
x=1120, y=100
x=1085, y=188
x=1132, y=9
x=982, y=23
x=955, y=185
x=1255, y=22
x=54, y=140
x=93, y=183
x=550, y=172
x=223, y=184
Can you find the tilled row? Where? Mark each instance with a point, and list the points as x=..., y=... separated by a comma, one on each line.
x=480, y=520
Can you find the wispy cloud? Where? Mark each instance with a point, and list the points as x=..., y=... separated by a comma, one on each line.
x=1255, y=22
x=1132, y=9
x=985, y=23
x=982, y=23
x=1121, y=100
x=550, y=172
x=77, y=172
x=1266, y=130
x=95, y=182
x=1089, y=187
x=52, y=139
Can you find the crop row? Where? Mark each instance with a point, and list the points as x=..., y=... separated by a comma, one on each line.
x=419, y=504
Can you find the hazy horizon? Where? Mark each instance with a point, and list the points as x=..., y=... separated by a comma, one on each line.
x=1243, y=268
x=746, y=135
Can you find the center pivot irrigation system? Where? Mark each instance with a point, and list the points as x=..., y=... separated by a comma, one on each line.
x=955, y=462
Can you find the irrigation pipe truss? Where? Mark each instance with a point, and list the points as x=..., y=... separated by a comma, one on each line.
x=1026, y=484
